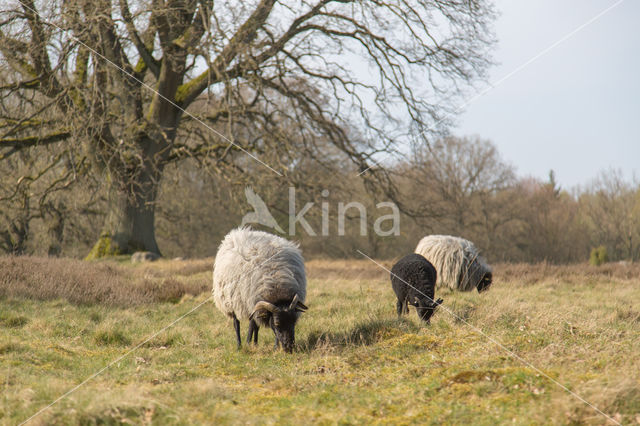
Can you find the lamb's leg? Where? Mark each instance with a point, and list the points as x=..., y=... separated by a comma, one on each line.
x=255, y=334
x=236, y=325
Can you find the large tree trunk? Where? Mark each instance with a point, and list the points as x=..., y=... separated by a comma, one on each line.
x=53, y=215
x=130, y=222
x=135, y=166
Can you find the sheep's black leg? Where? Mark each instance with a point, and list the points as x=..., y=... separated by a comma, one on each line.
x=275, y=345
x=399, y=308
x=253, y=332
x=236, y=325
x=250, y=332
x=402, y=307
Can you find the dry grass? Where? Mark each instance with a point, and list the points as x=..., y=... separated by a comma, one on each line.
x=105, y=283
x=112, y=283
x=179, y=268
x=356, y=362
x=530, y=274
x=347, y=269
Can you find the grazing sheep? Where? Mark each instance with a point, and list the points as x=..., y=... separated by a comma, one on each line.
x=458, y=261
x=413, y=279
x=260, y=277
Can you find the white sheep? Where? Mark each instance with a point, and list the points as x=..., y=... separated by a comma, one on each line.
x=457, y=261
x=260, y=277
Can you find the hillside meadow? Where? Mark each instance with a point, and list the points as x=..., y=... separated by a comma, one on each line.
x=63, y=320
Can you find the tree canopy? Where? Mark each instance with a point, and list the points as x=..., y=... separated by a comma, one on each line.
x=120, y=89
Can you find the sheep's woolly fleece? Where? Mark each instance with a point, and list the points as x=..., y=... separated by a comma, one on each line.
x=458, y=261
x=253, y=266
x=413, y=277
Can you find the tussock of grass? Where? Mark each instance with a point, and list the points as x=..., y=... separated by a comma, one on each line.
x=462, y=311
x=11, y=321
x=95, y=317
x=5, y=348
x=356, y=362
x=112, y=337
x=628, y=314
x=118, y=415
x=166, y=340
x=626, y=400
x=413, y=342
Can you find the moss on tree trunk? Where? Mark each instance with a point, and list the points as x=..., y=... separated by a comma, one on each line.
x=130, y=223
x=104, y=247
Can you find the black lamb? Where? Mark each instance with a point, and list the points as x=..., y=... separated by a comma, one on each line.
x=413, y=279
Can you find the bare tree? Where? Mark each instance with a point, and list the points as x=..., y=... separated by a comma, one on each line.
x=550, y=229
x=116, y=82
x=32, y=189
x=611, y=211
x=455, y=182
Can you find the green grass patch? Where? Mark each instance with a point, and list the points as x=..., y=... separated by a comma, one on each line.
x=112, y=337
x=14, y=321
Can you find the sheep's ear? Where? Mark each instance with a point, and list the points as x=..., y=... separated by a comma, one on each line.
x=297, y=305
x=301, y=307
x=264, y=306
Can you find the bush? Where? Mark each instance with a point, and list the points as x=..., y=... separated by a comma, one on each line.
x=598, y=256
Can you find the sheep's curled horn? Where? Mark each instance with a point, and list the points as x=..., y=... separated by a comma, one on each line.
x=295, y=304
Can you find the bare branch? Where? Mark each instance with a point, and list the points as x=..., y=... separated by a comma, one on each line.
x=143, y=50
x=28, y=141
x=40, y=57
x=28, y=84
x=245, y=34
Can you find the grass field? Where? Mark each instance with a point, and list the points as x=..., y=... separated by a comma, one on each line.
x=63, y=320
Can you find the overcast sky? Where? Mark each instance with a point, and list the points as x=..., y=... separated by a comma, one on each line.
x=575, y=110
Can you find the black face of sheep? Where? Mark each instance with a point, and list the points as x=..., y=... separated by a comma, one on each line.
x=425, y=308
x=281, y=317
x=485, y=283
